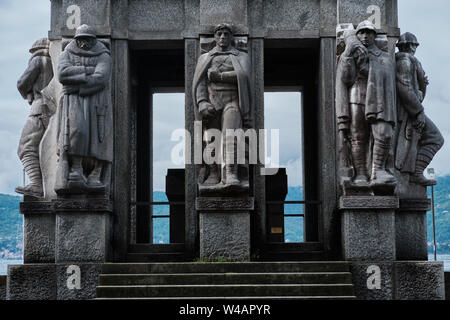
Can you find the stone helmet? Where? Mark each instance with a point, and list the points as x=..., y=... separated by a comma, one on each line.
x=85, y=31
x=406, y=38
x=42, y=43
x=366, y=25
x=227, y=26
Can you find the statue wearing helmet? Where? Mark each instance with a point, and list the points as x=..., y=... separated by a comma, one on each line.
x=35, y=78
x=366, y=111
x=418, y=138
x=84, y=139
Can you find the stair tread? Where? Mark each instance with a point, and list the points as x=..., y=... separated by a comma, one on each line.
x=227, y=285
x=224, y=273
x=236, y=298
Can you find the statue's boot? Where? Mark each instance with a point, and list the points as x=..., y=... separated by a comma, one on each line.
x=33, y=170
x=380, y=176
x=232, y=174
x=214, y=175
x=359, y=163
x=94, y=179
x=417, y=177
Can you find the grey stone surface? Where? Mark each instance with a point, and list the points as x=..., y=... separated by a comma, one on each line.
x=231, y=11
x=447, y=285
x=31, y=282
x=39, y=238
x=360, y=276
x=419, y=281
x=224, y=204
x=368, y=202
x=355, y=11
x=82, y=236
x=225, y=235
x=3, y=287
x=368, y=234
x=88, y=281
x=411, y=235
x=292, y=14
x=160, y=15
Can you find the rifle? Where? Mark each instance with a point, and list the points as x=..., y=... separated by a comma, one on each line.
x=62, y=173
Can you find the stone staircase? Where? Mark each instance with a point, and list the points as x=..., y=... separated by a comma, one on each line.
x=253, y=280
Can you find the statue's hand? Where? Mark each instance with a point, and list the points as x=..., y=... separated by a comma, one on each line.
x=206, y=110
x=214, y=75
x=419, y=123
x=90, y=70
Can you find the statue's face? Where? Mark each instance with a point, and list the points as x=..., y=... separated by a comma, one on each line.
x=86, y=43
x=223, y=38
x=367, y=37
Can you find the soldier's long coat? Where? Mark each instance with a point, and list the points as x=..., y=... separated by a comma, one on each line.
x=87, y=99
x=241, y=64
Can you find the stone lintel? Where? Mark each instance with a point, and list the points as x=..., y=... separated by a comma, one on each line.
x=368, y=202
x=36, y=207
x=82, y=205
x=221, y=204
x=416, y=204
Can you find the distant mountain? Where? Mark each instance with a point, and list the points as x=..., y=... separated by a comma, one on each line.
x=11, y=221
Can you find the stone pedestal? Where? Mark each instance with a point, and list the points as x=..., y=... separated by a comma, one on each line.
x=368, y=227
x=411, y=229
x=82, y=230
x=224, y=227
x=38, y=232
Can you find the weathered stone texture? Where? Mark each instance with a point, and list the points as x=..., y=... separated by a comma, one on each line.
x=150, y=15
x=419, y=281
x=360, y=277
x=225, y=235
x=88, y=282
x=224, y=204
x=368, y=235
x=31, y=282
x=234, y=12
x=362, y=202
x=292, y=14
x=411, y=235
x=2, y=287
x=39, y=238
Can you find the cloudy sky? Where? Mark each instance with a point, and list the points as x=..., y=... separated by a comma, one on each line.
x=24, y=21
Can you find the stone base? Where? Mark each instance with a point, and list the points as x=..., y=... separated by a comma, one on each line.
x=82, y=231
x=225, y=235
x=411, y=229
x=38, y=232
x=53, y=281
x=399, y=280
x=368, y=228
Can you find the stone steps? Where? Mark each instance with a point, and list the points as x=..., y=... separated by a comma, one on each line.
x=211, y=281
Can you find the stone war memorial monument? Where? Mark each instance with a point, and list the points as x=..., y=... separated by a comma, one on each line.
x=87, y=148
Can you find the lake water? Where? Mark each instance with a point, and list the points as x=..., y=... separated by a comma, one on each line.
x=440, y=257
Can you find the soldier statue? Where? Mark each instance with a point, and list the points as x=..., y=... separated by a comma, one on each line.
x=365, y=107
x=418, y=137
x=221, y=91
x=35, y=78
x=85, y=126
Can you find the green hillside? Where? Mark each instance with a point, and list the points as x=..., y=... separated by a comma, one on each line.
x=11, y=233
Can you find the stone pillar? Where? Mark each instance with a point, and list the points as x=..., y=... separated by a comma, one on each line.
x=368, y=227
x=38, y=232
x=82, y=230
x=411, y=229
x=224, y=227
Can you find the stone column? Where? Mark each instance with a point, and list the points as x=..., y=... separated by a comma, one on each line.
x=225, y=227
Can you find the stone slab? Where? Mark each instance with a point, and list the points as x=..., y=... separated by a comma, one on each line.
x=225, y=235
x=39, y=238
x=368, y=234
x=31, y=282
x=3, y=287
x=82, y=237
x=361, y=276
x=368, y=202
x=156, y=15
x=224, y=204
x=292, y=14
x=234, y=12
x=419, y=280
x=66, y=280
x=411, y=235
x=82, y=205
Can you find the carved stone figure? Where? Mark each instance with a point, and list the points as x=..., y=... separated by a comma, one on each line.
x=221, y=91
x=418, y=137
x=85, y=145
x=35, y=78
x=365, y=107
